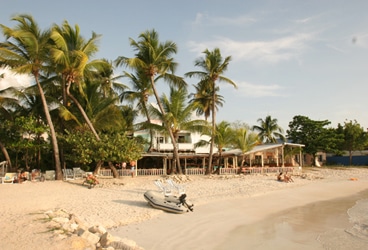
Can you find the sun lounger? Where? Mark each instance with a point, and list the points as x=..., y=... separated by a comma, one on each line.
x=9, y=178
x=179, y=188
x=50, y=175
x=78, y=173
x=68, y=174
x=163, y=188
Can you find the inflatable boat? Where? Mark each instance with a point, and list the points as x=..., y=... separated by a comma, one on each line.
x=173, y=204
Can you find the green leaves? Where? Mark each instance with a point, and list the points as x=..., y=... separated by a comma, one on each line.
x=86, y=149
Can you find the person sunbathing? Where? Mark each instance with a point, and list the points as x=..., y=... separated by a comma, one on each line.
x=279, y=177
x=287, y=178
x=22, y=177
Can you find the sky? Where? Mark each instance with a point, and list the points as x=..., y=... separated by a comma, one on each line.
x=288, y=57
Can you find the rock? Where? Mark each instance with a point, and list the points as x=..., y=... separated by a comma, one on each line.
x=106, y=239
x=61, y=220
x=124, y=244
x=78, y=243
x=97, y=229
x=92, y=238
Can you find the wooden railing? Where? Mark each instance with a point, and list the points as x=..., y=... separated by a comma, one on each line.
x=201, y=171
x=266, y=170
x=127, y=172
x=151, y=171
x=229, y=170
x=194, y=171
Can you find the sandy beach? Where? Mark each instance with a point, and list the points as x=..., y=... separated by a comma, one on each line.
x=230, y=212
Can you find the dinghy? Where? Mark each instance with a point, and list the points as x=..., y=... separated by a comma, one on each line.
x=171, y=203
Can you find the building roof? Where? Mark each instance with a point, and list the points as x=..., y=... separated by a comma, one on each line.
x=231, y=152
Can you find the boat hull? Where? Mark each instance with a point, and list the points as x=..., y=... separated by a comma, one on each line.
x=171, y=204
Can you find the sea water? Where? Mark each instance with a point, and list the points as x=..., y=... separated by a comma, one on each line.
x=355, y=235
x=334, y=224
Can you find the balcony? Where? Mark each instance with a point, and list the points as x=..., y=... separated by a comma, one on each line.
x=182, y=147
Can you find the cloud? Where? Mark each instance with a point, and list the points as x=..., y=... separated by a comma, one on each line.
x=272, y=51
x=10, y=79
x=360, y=40
x=203, y=19
x=256, y=90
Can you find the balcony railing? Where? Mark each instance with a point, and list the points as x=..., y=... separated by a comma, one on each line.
x=181, y=147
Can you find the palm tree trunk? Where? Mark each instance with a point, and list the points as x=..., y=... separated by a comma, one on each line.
x=176, y=159
x=79, y=106
x=209, y=169
x=59, y=175
x=150, y=130
x=6, y=155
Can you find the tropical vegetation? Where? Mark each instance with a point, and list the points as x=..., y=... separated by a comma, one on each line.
x=76, y=112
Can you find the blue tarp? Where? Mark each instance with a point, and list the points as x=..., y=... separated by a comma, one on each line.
x=361, y=160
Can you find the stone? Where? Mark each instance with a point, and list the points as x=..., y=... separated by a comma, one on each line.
x=92, y=238
x=97, y=229
x=106, y=239
x=78, y=243
x=61, y=220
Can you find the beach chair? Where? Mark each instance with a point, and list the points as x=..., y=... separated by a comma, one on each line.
x=163, y=188
x=68, y=174
x=78, y=173
x=50, y=175
x=9, y=178
x=179, y=188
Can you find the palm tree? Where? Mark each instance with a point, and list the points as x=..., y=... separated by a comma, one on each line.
x=155, y=60
x=178, y=115
x=26, y=51
x=213, y=66
x=202, y=99
x=269, y=130
x=141, y=90
x=109, y=85
x=244, y=139
x=223, y=138
x=71, y=54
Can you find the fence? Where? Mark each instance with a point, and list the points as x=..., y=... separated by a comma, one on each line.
x=194, y=171
x=200, y=171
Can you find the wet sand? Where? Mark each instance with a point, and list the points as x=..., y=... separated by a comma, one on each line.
x=281, y=219
x=313, y=226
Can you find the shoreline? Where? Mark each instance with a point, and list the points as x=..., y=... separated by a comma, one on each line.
x=209, y=225
x=304, y=227
x=118, y=204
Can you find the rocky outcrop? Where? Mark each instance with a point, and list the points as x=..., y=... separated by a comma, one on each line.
x=80, y=236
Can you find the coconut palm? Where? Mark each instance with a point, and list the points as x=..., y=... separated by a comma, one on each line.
x=213, y=66
x=26, y=51
x=223, y=138
x=71, y=54
x=155, y=60
x=110, y=87
x=202, y=99
x=244, y=139
x=140, y=92
x=269, y=130
x=178, y=114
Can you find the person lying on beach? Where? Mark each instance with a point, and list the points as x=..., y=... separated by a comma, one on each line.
x=35, y=173
x=279, y=177
x=22, y=177
x=287, y=178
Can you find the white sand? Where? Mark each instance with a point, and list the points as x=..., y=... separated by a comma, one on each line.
x=221, y=205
